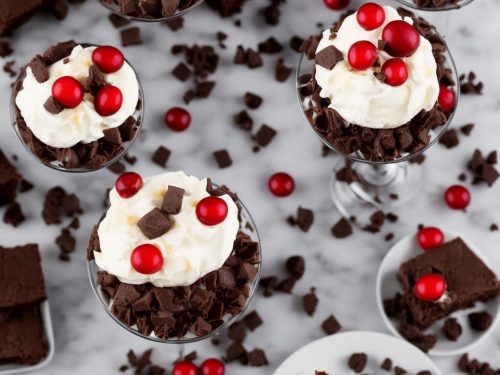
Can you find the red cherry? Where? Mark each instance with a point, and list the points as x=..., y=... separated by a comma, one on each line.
x=177, y=119
x=67, y=91
x=146, y=259
x=109, y=59
x=281, y=184
x=370, y=16
x=211, y=210
x=430, y=237
x=457, y=197
x=446, y=98
x=108, y=100
x=336, y=4
x=396, y=72
x=430, y=288
x=401, y=37
x=212, y=366
x=362, y=55
x=185, y=368
x=128, y=184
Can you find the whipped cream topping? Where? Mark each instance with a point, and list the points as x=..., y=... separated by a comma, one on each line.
x=81, y=124
x=190, y=249
x=359, y=97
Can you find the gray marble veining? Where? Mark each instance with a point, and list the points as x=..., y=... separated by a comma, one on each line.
x=89, y=342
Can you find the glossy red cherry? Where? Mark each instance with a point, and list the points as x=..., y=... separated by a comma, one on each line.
x=185, y=368
x=146, y=259
x=457, y=197
x=336, y=4
x=108, y=100
x=446, y=98
x=430, y=237
x=109, y=59
x=281, y=184
x=67, y=91
x=128, y=184
x=401, y=37
x=430, y=288
x=177, y=119
x=362, y=55
x=212, y=366
x=211, y=210
x=370, y=16
x=396, y=72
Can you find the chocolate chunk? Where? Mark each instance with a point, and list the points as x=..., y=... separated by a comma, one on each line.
x=386, y=364
x=95, y=80
x=305, y=218
x=468, y=84
x=449, y=139
x=71, y=205
x=452, y=329
x=52, y=204
x=225, y=278
x=399, y=371
x=5, y=49
x=118, y=21
x=58, y=52
x=66, y=241
x=252, y=320
x=155, y=223
x=310, y=302
x=39, y=68
x=246, y=271
x=295, y=265
x=329, y=57
x=268, y=284
x=357, y=362
x=265, y=135
x=330, y=325
x=342, y=228
x=489, y=174
x=53, y=106
x=418, y=338
x=281, y=71
x=253, y=59
x=14, y=215
x=113, y=136
x=131, y=36
x=223, y=159
x=243, y=120
x=58, y=9
x=492, y=158
x=240, y=56
x=172, y=201
x=236, y=332
x=117, y=168
x=161, y=156
x=270, y=45
x=25, y=186
x=204, y=89
x=175, y=24
x=126, y=294
x=467, y=129
x=257, y=358
x=253, y=101
x=480, y=321
x=181, y=72
x=235, y=351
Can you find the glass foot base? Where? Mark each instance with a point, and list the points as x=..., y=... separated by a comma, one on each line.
x=359, y=189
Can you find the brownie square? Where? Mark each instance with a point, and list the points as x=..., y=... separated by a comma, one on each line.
x=9, y=179
x=22, y=337
x=468, y=280
x=21, y=277
x=14, y=13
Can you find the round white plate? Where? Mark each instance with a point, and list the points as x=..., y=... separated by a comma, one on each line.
x=387, y=286
x=331, y=354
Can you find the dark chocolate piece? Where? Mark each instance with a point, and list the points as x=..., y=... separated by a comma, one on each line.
x=172, y=201
x=223, y=158
x=155, y=223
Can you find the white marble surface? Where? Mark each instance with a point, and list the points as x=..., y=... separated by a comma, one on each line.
x=89, y=342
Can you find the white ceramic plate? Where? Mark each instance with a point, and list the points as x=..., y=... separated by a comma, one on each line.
x=387, y=286
x=49, y=337
x=331, y=354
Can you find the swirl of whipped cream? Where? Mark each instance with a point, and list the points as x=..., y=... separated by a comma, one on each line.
x=359, y=97
x=81, y=124
x=190, y=249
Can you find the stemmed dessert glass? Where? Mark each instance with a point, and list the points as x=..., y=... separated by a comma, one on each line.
x=115, y=8
x=380, y=185
x=246, y=222
x=56, y=164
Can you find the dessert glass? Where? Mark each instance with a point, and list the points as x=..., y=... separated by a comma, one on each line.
x=246, y=222
x=115, y=8
x=411, y=4
x=56, y=164
x=381, y=185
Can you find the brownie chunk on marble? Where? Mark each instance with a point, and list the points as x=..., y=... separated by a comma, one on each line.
x=9, y=180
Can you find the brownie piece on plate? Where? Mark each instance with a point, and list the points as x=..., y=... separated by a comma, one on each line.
x=468, y=280
x=9, y=178
x=21, y=336
x=13, y=13
x=21, y=277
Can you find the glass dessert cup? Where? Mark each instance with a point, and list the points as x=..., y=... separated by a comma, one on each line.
x=57, y=164
x=246, y=222
x=115, y=8
x=379, y=185
x=411, y=4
